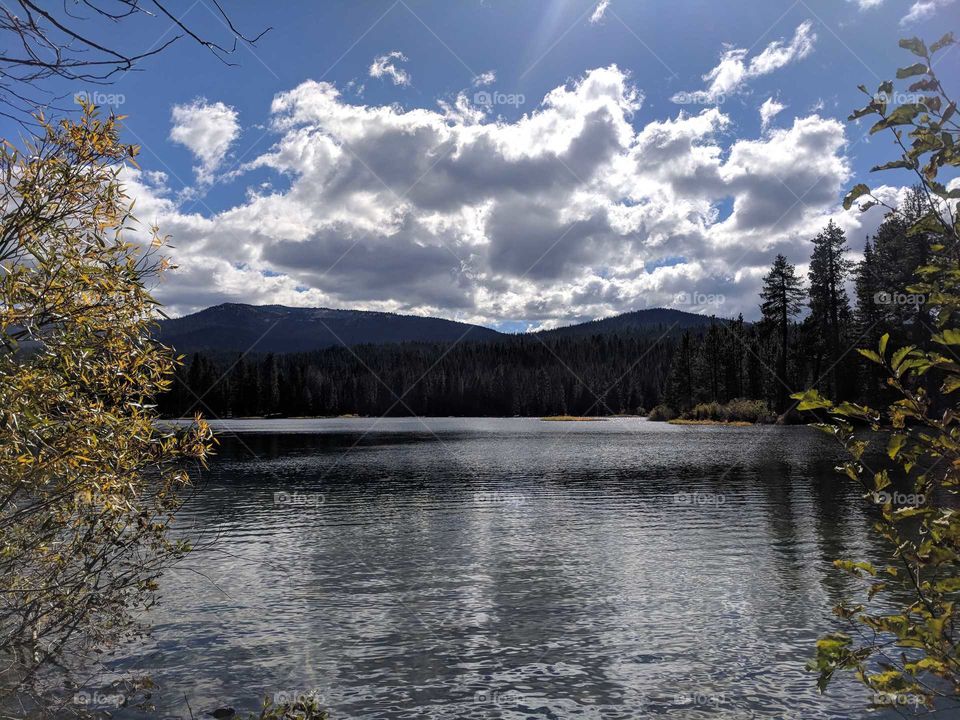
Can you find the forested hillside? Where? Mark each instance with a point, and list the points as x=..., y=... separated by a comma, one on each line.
x=806, y=337
x=809, y=331
x=236, y=327
x=518, y=375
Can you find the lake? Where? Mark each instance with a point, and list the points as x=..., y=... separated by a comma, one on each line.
x=510, y=568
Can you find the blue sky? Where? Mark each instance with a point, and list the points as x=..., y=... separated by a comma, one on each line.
x=400, y=156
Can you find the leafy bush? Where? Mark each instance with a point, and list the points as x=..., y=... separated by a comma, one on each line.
x=302, y=709
x=88, y=483
x=661, y=413
x=905, y=648
x=739, y=410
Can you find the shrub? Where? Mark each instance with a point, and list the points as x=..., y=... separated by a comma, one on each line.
x=661, y=413
x=738, y=410
x=88, y=483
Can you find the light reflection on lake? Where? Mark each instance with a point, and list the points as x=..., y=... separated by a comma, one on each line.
x=468, y=568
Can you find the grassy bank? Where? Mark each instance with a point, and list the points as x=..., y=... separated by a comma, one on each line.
x=734, y=423
x=740, y=411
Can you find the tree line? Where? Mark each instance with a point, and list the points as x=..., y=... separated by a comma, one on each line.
x=809, y=331
x=805, y=339
x=601, y=374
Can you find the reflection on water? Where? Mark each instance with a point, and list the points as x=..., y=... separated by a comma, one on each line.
x=467, y=568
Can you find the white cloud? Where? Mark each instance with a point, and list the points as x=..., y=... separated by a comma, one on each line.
x=560, y=212
x=599, y=11
x=207, y=130
x=386, y=66
x=769, y=110
x=485, y=78
x=923, y=9
x=867, y=4
x=734, y=70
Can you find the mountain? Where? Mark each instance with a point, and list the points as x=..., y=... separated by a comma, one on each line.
x=234, y=327
x=653, y=319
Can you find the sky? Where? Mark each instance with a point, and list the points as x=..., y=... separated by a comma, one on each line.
x=515, y=164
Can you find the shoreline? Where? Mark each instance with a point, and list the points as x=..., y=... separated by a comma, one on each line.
x=730, y=423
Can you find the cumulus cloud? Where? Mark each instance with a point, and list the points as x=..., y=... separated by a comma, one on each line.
x=386, y=66
x=207, y=130
x=769, y=110
x=867, y=4
x=485, y=78
x=599, y=11
x=923, y=9
x=571, y=210
x=735, y=70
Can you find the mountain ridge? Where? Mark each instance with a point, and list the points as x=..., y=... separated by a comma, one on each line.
x=240, y=327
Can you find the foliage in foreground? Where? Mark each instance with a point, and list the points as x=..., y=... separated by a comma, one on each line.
x=909, y=653
x=88, y=485
x=301, y=709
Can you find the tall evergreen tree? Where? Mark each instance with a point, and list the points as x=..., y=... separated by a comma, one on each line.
x=679, y=390
x=829, y=305
x=868, y=319
x=782, y=295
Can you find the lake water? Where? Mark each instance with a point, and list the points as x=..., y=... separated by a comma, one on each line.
x=510, y=568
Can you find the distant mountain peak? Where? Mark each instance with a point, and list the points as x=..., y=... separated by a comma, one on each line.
x=239, y=327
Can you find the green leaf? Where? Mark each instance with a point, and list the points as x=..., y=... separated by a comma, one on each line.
x=925, y=85
x=857, y=191
x=834, y=642
x=947, y=337
x=951, y=383
x=893, y=164
x=882, y=345
x=896, y=442
x=899, y=355
x=942, y=42
x=870, y=109
x=948, y=113
x=911, y=70
x=914, y=45
x=811, y=400
x=903, y=115
x=855, y=568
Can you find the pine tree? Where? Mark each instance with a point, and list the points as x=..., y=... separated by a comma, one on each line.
x=782, y=295
x=679, y=390
x=868, y=319
x=829, y=304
